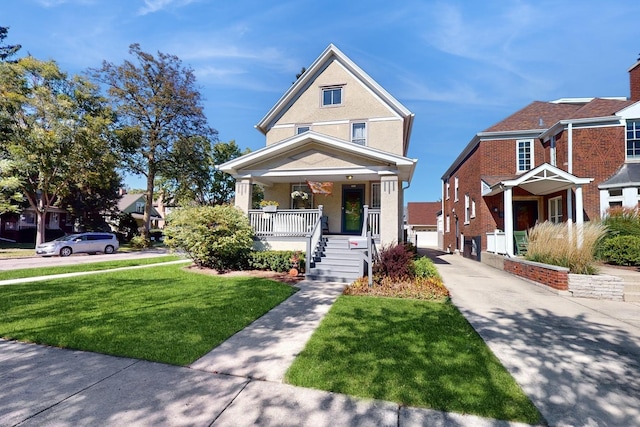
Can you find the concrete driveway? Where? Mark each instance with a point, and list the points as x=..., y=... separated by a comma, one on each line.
x=577, y=359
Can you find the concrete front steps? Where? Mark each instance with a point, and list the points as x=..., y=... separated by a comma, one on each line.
x=632, y=291
x=333, y=261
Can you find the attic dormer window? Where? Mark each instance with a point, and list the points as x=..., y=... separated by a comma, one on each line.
x=331, y=96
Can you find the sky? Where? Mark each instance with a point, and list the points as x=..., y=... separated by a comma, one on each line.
x=459, y=66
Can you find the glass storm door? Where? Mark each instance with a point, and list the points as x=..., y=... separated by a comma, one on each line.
x=352, y=208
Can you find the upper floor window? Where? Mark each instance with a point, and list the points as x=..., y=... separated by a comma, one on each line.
x=359, y=133
x=467, y=208
x=552, y=150
x=331, y=96
x=446, y=190
x=524, y=154
x=302, y=129
x=633, y=139
x=140, y=207
x=455, y=189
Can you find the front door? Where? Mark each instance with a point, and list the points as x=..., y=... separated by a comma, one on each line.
x=352, y=208
x=525, y=214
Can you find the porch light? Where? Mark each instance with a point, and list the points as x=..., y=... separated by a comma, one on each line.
x=349, y=177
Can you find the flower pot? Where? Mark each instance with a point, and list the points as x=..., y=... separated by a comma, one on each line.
x=269, y=208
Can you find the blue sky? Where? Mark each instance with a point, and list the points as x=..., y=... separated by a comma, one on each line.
x=460, y=66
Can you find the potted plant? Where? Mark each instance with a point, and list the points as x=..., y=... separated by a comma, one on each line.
x=269, y=205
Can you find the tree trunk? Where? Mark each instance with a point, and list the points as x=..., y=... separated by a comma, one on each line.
x=41, y=215
x=146, y=218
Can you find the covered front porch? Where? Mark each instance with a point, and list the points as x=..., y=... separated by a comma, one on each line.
x=543, y=193
x=312, y=177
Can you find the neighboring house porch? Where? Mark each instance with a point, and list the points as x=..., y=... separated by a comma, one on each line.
x=21, y=227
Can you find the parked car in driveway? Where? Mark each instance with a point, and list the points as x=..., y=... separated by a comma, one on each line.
x=89, y=243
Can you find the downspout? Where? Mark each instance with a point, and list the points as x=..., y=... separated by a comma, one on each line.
x=570, y=148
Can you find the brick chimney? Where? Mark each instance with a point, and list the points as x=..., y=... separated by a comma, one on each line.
x=634, y=79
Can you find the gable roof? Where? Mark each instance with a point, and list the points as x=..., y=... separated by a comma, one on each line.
x=537, y=115
x=127, y=204
x=330, y=54
x=542, y=180
x=394, y=163
x=423, y=213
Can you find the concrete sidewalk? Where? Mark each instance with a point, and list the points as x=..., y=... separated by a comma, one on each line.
x=577, y=359
x=237, y=384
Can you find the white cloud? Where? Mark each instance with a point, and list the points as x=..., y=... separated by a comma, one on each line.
x=152, y=6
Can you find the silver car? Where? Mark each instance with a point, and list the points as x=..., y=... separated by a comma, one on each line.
x=89, y=243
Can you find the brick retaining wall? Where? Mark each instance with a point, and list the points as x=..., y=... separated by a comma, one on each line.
x=549, y=275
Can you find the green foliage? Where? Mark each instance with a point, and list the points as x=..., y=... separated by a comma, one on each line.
x=424, y=267
x=7, y=51
x=217, y=237
x=127, y=226
x=622, y=250
x=140, y=242
x=280, y=261
x=622, y=222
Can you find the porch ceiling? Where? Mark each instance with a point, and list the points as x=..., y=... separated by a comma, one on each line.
x=544, y=179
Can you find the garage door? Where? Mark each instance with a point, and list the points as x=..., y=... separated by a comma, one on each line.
x=427, y=239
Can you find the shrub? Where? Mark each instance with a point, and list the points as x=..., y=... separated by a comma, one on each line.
x=139, y=242
x=557, y=244
x=396, y=262
x=217, y=237
x=622, y=250
x=622, y=221
x=424, y=267
x=279, y=261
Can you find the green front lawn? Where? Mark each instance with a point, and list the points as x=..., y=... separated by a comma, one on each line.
x=74, y=268
x=416, y=353
x=163, y=313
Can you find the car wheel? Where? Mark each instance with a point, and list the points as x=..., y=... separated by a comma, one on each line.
x=66, y=251
x=109, y=250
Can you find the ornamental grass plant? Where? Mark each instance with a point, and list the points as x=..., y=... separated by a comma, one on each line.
x=557, y=244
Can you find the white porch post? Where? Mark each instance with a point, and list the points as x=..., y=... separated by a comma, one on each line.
x=390, y=214
x=243, y=194
x=508, y=219
x=579, y=214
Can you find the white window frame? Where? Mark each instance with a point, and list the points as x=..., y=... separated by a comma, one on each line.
x=359, y=141
x=447, y=224
x=447, y=190
x=552, y=151
x=140, y=207
x=555, y=210
x=467, y=209
x=326, y=89
x=455, y=189
x=375, y=195
x=520, y=147
x=632, y=134
x=473, y=208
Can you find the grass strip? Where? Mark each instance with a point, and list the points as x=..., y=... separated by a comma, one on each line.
x=97, y=266
x=416, y=353
x=163, y=314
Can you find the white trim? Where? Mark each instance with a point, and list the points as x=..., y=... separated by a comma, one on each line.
x=530, y=146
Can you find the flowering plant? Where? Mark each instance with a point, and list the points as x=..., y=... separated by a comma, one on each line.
x=301, y=194
x=269, y=203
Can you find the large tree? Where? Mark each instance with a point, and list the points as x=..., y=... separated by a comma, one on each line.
x=7, y=51
x=59, y=132
x=200, y=182
x=159, y=112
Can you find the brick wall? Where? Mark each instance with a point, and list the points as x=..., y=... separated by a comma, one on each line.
x=634, y=79
x=549, y=275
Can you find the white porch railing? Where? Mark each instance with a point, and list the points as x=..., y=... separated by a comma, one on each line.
x=497, y=242
x=374, y=222
x=283, y=222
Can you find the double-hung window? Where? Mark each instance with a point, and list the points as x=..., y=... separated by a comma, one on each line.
x=331, y=96
x=524, y=154
x=375, y=195
x=359, y=133
x=633, y=139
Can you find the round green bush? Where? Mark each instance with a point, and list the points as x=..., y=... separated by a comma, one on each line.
x=622, y=250
x=217, y=237
x=424, y=267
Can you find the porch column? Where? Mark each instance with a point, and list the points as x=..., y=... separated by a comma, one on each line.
x=243, y=194
x=390, y=212
x=579, y=214
x=508, y=219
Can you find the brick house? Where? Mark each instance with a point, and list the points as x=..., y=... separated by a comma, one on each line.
x=564, y=160
x=422, y=223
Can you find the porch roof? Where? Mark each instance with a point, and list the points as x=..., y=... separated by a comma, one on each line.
x=372, y=163
x=542, y=180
